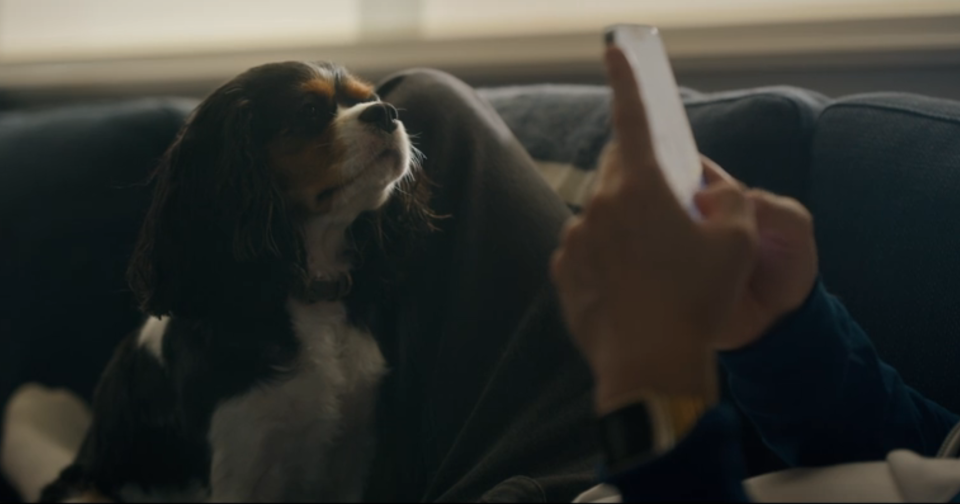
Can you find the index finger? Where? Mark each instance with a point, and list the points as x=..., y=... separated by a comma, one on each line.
x=629, y=113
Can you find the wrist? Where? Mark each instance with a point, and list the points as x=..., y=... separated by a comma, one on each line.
x=621, y=382
x=797, y=303
x=802, y=322
x=756, y=321
x=785, y=314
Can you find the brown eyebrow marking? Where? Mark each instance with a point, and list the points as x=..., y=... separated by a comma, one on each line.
x=356, y=89
x=320, y=86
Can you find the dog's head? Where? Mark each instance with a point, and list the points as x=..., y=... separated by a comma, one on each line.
x=278, y=146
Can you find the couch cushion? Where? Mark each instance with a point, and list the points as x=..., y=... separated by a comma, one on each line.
x=761, y=136
x=72, y=195
x=885, y=193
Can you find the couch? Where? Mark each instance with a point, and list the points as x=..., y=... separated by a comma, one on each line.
x=879, y=172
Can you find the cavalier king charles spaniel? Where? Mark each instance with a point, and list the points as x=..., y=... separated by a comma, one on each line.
x=249, y=380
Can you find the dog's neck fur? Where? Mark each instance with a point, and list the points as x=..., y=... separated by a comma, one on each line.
x=327, y=397
x=326, y=241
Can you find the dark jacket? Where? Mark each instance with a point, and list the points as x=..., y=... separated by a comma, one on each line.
x=819, y=395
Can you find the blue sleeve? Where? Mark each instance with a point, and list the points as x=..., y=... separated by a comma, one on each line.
x=819, y=394
x=706, y=466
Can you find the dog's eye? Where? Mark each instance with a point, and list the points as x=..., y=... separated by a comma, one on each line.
x=309, y=111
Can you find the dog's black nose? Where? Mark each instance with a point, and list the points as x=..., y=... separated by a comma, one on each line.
x=381, y=115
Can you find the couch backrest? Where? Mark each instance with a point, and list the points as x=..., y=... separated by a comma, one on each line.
x=72, y=196
x=762, y=136
x=885, y=193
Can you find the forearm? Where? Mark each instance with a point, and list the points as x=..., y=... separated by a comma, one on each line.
x=819, y=393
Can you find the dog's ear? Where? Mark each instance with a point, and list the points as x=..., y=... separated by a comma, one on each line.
x=218, y=233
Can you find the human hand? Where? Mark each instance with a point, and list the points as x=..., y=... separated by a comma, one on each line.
x=785, y=270
x=646, y=290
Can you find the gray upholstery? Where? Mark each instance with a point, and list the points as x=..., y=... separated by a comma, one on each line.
x=71, y=201
x=72, y=196
x=885, y=193
x=557, y=123
x=761, y=136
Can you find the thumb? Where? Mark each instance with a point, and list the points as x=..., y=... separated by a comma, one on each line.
x=780, y=214
x=723, y=200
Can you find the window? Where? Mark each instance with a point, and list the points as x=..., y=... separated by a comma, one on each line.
x=51, y=30
x=90, y=43
x=456, y=18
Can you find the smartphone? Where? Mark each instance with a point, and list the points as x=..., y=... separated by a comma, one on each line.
x=673, y=142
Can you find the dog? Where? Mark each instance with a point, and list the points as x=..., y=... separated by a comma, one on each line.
x=250, y=380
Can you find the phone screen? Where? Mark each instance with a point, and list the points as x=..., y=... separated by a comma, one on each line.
x=673, y=142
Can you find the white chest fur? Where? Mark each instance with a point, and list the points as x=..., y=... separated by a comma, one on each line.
x=308, y=437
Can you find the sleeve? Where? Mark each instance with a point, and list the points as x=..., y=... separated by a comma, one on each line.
x=707, y=465
x=819, y=393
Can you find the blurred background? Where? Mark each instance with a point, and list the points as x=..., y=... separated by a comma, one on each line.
x=52, y=51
